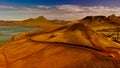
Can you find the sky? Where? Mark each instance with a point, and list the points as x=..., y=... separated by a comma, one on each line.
x=57, y=9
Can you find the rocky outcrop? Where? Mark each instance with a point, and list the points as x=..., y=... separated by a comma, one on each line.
x=70, y=46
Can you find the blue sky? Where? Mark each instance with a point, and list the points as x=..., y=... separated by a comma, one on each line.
x=59, y=2
x=56, y=9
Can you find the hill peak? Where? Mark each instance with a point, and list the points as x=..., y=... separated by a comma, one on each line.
x=42, y=19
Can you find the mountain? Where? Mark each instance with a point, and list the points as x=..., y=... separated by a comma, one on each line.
x=74, y=45
x=39, y=21
x=77, y=33
x=100, y=22
x=33, y=21
x=73, y=33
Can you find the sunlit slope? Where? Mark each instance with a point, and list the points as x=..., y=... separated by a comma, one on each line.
x=70, y=46
x=76, y=34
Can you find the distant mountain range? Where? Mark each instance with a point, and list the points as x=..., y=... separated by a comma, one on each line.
x=95, y=22
x=39, y=21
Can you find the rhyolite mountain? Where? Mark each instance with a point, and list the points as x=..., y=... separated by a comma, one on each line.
x=73, y=45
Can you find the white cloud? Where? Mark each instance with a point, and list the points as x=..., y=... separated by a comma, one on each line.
x=71, y=8
x=65, y=12
x=78, y=8
x=2, y=7
x=43, y=7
